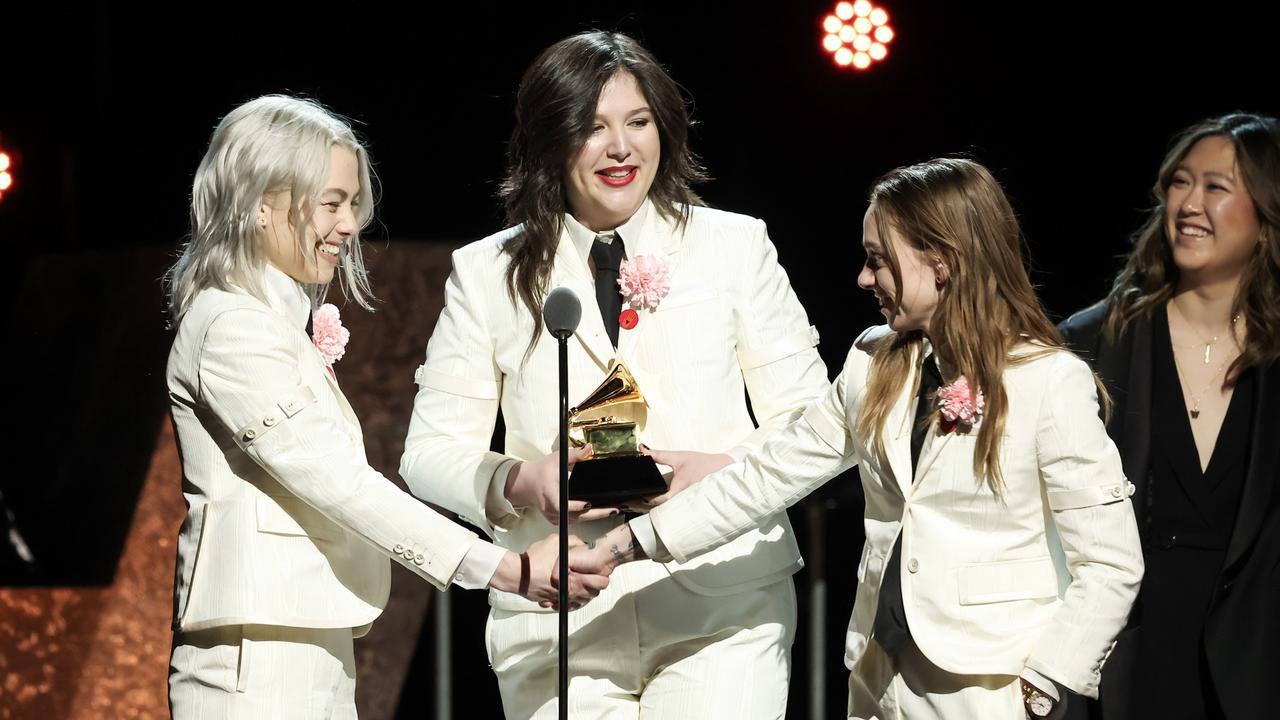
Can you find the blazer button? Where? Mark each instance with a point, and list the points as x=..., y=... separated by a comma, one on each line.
x=913, y=566
x=1117, y=491
x=269, y=420
x=419, y=558
x=408, y=555
x=397, y=549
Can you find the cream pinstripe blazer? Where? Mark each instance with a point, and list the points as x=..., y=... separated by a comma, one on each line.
x=1042, y=578
x=286, y=523
x=730, y=322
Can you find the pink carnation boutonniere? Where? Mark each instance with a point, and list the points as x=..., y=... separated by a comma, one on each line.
x=960, y=406
x=644, y=281
x=327, y=333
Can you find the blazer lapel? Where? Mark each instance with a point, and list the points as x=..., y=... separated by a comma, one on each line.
x=897, y=434
x=347, y=411
x=1264, y=464
x=932, y=449
x=571, y=271
x=1129, y=360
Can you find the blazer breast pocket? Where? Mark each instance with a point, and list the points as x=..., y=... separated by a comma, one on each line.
x=1007, y=580
x=686, y=296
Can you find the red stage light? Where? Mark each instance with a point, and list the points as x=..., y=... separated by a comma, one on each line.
x=6, y=177
x=863, y=40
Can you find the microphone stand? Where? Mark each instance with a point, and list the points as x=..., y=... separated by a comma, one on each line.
x=563, y=341
x=561, y=312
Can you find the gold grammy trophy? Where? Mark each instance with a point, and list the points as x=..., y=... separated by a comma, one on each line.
x=608, y=419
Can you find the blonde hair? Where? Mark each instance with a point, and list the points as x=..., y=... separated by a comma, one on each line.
x=269, y=145
x=955, y=212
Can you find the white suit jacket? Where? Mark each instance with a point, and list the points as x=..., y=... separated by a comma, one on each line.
x=730, y=322
x=286, y=523
x=1041, y=578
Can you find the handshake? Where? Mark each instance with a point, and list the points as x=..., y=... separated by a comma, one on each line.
x=535, y=573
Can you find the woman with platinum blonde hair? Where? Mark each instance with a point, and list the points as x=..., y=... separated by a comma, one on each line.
x=282, y=558
x=1001, y=554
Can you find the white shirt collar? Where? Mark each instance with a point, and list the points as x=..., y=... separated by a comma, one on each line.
x=286, y=296
x=583, y=237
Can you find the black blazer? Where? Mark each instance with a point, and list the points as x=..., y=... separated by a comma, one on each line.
x=1242, y=629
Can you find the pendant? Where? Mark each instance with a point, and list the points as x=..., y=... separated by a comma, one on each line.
x=1207, y=350
x=1195, y=412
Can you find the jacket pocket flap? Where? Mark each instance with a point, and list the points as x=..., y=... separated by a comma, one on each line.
x=1007, y=580
x=291, y=516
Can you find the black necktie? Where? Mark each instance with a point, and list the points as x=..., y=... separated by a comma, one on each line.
x=890, y=627
x=930, y=381
x=607, y=253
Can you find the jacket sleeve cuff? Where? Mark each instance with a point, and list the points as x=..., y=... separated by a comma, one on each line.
x=478, y=565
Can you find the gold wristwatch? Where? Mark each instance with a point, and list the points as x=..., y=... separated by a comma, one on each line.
x=1037, y=703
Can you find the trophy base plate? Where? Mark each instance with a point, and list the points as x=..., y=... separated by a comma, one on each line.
x=614, y=480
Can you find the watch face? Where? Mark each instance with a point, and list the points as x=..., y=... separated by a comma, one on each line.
x=1040, y=706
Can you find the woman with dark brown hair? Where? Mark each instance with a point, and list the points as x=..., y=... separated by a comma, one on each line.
x=692, y=300
x=1001, y=557
x=1188, y=344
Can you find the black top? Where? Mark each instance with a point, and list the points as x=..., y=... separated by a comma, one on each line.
x=1188, y=524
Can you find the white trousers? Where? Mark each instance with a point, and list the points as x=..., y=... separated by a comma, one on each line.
x=649, y=648
x=909, y=687
x=263, y=672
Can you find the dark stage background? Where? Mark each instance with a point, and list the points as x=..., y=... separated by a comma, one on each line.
x=107, y=111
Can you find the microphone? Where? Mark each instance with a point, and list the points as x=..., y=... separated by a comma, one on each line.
x=561, y=312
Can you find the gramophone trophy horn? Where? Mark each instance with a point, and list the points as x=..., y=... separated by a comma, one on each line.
x=609, y=419
x=611, y=414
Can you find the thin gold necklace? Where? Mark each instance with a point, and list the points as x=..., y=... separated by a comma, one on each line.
x=1195, y=397
x=1208, y=344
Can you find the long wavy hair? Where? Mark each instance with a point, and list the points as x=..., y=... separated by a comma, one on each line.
x=269, y=145
x=1149, y=277
x=555, y=111
x=955, y=212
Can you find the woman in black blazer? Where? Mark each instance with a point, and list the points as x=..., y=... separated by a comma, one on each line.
x=1188, y=344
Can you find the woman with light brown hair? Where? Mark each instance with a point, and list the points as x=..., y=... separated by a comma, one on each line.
x=1188, y=343
x=1001, y=556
